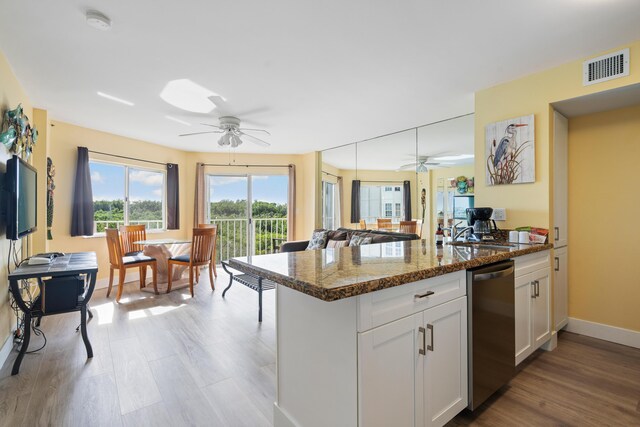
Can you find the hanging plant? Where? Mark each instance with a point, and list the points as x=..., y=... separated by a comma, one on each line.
x=18, y=136
x=51, y=172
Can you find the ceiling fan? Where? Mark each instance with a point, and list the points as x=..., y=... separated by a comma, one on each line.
x=232, y=133
x=423, y=164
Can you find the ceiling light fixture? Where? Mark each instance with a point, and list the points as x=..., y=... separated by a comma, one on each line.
x=422, y=168
x=98, y=20
x=189, y=96
x=115, y=98
x=174, y=119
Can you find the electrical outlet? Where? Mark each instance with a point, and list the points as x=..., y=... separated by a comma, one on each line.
x=499, y=214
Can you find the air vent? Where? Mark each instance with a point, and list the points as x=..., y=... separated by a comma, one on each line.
x=606, y=67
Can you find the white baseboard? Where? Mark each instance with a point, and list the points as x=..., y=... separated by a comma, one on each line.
x=604, y=332
x=5, y=351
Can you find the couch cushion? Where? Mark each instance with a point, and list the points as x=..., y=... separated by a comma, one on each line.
x=357, y=240
x=337, y=243
x=318, y=240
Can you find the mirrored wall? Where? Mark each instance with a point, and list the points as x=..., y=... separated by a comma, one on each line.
x=411, y=175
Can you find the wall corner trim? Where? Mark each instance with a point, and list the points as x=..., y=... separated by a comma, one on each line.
x=5, y=351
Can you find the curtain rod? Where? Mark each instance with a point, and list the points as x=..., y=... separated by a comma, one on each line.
x=248, y=166
x=330, y=174
x=129, y=158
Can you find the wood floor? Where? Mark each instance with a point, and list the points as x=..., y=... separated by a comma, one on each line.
x=171, y=360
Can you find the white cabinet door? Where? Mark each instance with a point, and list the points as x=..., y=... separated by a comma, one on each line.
x=523, y=296
x=390, y=373
x=445, y=379
x=541, y=303
x=560, y=289
x=560, y=179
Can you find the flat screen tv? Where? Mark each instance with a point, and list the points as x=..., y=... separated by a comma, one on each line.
x=21, y=192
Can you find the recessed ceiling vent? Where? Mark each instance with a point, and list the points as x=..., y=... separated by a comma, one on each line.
x=606, y=67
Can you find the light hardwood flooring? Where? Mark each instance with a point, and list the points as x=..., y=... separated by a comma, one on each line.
x=170, y=360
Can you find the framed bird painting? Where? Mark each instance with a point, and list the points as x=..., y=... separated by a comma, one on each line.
x=510, y=151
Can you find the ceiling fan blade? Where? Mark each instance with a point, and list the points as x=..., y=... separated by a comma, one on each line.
x=213, y=126
x=200, y=133
x=408, y=166
x=221, y=104
x=254, y=139
x=255, y=130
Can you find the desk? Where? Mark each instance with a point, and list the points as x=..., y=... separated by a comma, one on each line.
x=69, y=265
x=162, y=250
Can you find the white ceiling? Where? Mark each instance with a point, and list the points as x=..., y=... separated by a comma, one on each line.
x=315, y=74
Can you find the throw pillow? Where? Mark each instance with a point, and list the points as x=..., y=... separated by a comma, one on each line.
x=337, y=244
x=318, y=240
x=359, y=240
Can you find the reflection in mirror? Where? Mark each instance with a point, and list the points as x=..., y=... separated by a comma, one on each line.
x=445, y=168
x=335, y=189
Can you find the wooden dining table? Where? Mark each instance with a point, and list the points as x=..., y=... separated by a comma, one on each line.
x=162, y=250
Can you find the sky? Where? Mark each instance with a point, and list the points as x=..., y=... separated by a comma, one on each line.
x=107, y=182
x=271, y=188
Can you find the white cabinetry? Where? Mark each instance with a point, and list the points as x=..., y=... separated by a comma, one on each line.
x=560, y=286
x=532, y=303
x=413, y=371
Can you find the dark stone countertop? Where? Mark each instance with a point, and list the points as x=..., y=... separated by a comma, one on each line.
x=333, y=274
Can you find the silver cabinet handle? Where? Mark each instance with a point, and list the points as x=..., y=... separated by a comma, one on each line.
x=557, y=264
x=426, y=294
x=430, y=328
x=557, y=232
x=533, y=290
x=537, y=288
x=421, y=350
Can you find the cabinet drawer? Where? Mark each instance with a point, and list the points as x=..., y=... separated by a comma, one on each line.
x=387, y=305
x=532, y=262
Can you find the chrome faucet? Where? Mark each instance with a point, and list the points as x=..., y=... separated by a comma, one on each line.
x=453, y=231
x=461, y=232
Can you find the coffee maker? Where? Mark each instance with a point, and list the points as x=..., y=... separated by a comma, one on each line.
x=480, y=220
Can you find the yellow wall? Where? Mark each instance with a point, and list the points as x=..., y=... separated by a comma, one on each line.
x=530, y=204
x=604, y=150
x=11, y=94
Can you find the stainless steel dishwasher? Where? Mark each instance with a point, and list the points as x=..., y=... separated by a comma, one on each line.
x=491, y=317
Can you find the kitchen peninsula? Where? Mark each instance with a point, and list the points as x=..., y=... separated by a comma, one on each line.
x=353, y=326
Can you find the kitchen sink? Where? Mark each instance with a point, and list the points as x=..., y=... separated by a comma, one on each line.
x=484, y=245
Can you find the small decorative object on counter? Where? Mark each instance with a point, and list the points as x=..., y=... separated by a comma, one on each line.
x=439, y=236
x=439, y=254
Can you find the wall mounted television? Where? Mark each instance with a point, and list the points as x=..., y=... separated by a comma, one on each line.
x=21, y=198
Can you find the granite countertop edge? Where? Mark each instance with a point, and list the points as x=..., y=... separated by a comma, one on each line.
x=360, y=288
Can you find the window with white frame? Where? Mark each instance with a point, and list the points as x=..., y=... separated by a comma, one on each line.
x=329, y=205
x=380, y=201
x=124, y=194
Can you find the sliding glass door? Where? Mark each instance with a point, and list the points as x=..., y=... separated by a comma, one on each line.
x=250, y=212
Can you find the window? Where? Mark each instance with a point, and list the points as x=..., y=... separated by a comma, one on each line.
x=328, y=202
x=127, y=195
x=379, y=202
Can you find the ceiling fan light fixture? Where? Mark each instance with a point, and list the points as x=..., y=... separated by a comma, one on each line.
x=235, y=141
x=188, y=95
x=225, y=139
x=422, y=168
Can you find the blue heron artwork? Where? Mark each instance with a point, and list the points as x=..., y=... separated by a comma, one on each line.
x=510, y=151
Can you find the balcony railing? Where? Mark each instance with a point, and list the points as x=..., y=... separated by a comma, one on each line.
x=233, y=236
x=152, y=224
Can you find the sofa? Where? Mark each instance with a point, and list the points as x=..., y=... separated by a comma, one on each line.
x=377, y=236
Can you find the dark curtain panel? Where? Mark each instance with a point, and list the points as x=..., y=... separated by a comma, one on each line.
x=82, y=211
x=355, y=201
x=407, y=200
x=173, y=197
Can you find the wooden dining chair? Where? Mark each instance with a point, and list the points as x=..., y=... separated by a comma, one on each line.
x=130, y=234
x=201, y=252
x=408, y=227
x=215, y=243
x=119, y=261
x=363, y=224
x=384, y=224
